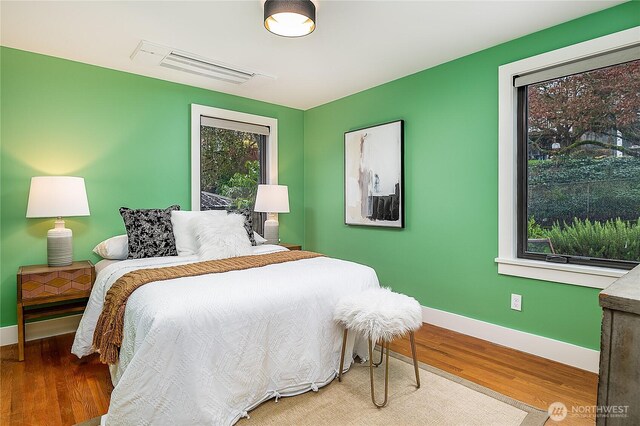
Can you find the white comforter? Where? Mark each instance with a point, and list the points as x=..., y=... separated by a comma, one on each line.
x=205, y=350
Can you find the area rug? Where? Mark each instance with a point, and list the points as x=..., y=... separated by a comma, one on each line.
x=443, y=399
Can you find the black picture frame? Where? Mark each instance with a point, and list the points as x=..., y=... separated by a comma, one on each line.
x=374, y=176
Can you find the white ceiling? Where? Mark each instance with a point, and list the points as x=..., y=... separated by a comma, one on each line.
x=356, y=45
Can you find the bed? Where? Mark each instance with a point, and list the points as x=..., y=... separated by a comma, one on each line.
x=208, y=349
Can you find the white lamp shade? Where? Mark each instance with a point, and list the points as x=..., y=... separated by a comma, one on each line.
x=272, y=199
x=57, y=196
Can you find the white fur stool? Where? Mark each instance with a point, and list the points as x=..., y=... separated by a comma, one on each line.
x=380, y=315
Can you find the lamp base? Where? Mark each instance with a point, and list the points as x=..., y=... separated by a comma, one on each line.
x=271, y=230
x=59, y=245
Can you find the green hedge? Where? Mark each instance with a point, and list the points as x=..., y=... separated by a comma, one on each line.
x=612, y=239
x=596, y=189
x=569, y=170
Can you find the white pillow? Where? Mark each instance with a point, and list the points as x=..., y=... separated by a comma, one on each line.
x=114, y=248
x=186, y=243
x=220, y=238
x=259, y=239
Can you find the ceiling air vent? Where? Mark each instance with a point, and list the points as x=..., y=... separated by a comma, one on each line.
x=153, y=54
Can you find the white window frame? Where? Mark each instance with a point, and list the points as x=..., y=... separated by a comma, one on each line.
x=507, y=260
x=272, y=143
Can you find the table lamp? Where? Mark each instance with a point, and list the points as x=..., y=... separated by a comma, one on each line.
x=272, y=199
x=58, y=196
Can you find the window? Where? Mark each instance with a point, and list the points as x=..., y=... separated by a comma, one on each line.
x=553, y=171
x=579, y=167
x=231, y=153
x=232, y=164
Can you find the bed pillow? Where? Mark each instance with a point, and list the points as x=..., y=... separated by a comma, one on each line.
x=221, y=238
x=149, y=232
x=248, y=222
x=259, y=239
x=186, y=244
x=114, y=248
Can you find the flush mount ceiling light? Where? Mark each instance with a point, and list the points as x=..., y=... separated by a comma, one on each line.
x=290, y=18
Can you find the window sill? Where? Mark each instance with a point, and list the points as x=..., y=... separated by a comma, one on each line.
x=580, y=275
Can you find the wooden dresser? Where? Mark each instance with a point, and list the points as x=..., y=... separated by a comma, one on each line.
x=619, y=382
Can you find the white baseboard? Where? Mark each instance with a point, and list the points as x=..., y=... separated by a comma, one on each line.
x=566, y=353
x=40, y=329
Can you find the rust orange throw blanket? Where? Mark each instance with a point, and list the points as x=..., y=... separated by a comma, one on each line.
x=107, y=337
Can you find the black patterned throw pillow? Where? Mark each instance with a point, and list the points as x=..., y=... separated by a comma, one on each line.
x=150, y=232
x=248, y=222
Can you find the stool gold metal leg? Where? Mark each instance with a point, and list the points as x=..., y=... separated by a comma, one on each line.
x=344, y=346
x=415, y=358
x=377, y=364
x=386, y=376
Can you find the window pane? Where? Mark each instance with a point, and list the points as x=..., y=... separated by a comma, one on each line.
x=583, y=168
x=230, y=168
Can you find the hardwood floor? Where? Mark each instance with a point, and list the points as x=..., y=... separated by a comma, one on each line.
x=52, y=387
x=533, y=380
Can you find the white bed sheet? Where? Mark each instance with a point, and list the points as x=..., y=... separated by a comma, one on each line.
x=104, y=263
x=205, y=350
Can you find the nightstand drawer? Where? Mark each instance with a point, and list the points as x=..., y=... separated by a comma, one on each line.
x=59, y=283
x=291, y=246
x=46, y=284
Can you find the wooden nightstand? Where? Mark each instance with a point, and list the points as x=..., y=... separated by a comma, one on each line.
x=291, y=246
x=61, y=289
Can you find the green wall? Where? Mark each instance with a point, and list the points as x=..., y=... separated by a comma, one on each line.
x=445, y=256
x=127, y=135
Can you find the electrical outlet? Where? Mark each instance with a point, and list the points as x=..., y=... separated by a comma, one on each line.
x=516, y=302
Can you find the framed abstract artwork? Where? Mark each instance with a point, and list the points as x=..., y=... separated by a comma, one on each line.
x=374, y=176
